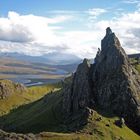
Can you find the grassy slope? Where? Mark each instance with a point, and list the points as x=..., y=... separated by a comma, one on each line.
x=106, y=129
x=45, y=115
x=35, y=117
x=138, y=68
x=32, y=94
x=135, y=63
x=96, y=130
x=93, y=130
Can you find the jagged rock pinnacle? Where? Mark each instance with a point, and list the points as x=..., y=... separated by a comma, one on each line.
x=111, y=83
x=79, y=85
x=115, y=84
x=110, y=40
x=86, y=62
x=108, y=31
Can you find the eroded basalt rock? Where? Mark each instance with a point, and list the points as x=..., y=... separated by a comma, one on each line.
x=116, y=83
x=111, y=84
x=77, y=91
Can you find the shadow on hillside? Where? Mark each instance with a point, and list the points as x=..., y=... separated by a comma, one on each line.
x=105, y=113
x=42, y=115
x=45, y=114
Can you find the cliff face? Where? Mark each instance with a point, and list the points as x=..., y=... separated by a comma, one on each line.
x=77, y=92
x=110, y=83
x=116, y=83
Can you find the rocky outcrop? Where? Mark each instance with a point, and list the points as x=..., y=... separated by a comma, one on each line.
x=116, y=83
x=77, y=92
x=111, y=83
x=14, y=136
x=7, y=88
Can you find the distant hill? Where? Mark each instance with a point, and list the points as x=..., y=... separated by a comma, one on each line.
x=33, y=72
x=134, y=55
x=51, y=58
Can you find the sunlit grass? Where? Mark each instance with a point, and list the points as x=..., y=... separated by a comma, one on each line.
x=17, y=99
x=105, y=128
x=135, y=63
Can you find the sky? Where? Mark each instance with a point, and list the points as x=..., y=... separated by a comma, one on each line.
x=41, y=27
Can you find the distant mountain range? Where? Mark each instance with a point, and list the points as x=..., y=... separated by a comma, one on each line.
x=51, y=58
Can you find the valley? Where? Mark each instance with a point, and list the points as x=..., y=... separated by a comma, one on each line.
x=31, y=73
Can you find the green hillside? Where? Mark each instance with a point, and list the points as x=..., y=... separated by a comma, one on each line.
x=39, y=117
x=18, y=98
x=44, y=116
x=135, y=62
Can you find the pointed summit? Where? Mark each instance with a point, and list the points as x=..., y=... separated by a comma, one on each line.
x=80, y=85
x=116, y=82
x=110, y=40
x=86, y=62
x=108, y=31
x=110, y=84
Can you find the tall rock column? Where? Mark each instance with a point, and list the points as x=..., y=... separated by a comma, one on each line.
x=77, y=92
x=116, y=83
x=111, y=84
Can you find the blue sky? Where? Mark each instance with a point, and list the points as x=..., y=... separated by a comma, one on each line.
x=73, y=27
x=42, y=7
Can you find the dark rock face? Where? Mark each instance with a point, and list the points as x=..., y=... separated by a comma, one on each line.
x=116, y=83
x=111, y=83
x=77, y=92
x=7, y=88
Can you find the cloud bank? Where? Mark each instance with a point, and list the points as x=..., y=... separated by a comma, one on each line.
x=38, y=35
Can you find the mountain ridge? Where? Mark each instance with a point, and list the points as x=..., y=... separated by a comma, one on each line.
x=50, y=58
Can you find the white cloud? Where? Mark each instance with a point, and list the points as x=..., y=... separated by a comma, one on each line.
x=126, y=27
x=11, y=30
x=37, y=35
x=131, y=1
x=134, y=2
x=29, y=28
x=95, y=12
